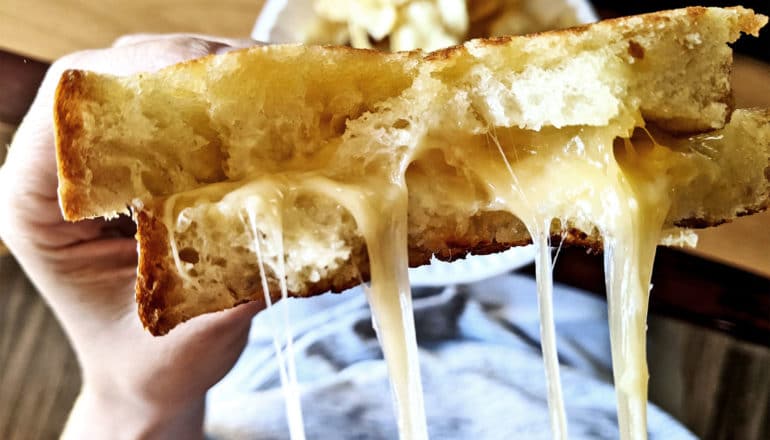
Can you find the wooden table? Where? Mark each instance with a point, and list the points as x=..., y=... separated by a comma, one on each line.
x=722, y=396
x=48, y=29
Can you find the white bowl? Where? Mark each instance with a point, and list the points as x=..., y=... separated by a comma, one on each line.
x=283, y=21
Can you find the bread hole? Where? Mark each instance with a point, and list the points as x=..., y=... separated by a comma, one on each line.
x=401, y=124
x=641, y=143
x=154, y=183
x=232, y=292
x=208, y=162
x=636, y=50
x=189, y=255
x=332, y=124
x=252, y=283
x=624, y=151
x=218, y=261
x=325, y=119
x=338, y=124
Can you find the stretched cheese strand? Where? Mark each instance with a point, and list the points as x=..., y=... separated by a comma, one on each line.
x=380, y=211
x=286, y=365
x=521, y=204
x=392, y=315
x=625, y=194
x=627, y=302
x=539, y=230
x=544, y=276
x=381, y=214
x=629, y=253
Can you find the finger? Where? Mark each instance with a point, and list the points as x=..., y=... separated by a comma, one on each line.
x=63, y=234
x=132, y=39
x=143, y=56
x=107, y=266
x=235, y=319
x=96, y=256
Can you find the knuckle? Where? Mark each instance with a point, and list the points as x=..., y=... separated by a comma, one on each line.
x=71, y=61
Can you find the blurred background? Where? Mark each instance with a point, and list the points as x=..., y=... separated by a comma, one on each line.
x=710, y=312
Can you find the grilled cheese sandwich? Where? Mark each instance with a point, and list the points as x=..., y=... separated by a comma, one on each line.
x=293, y=170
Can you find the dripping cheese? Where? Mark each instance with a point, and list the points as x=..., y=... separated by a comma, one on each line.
x=619, y=188
x=383, y=160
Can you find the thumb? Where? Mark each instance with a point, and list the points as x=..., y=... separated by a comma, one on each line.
x=131, y=54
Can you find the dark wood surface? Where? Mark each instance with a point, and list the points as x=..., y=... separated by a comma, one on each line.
x=39, y=376
x=716, y=385
x=20, y=77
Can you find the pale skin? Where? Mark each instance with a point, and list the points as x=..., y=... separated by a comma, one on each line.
x=134, y=385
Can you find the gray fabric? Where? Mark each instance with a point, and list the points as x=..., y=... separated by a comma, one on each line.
x=481, y=367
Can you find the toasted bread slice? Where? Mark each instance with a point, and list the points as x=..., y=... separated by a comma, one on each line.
x=224, y=117
x=186, y=146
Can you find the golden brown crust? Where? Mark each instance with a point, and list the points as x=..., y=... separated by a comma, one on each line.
x=68, y=123
x=747, y=23
x=159, y=287
x=154, y=277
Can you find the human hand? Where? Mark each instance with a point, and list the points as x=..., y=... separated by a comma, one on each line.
x=134, y=384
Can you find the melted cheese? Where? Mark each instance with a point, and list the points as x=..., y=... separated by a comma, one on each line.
x=539, y=228
x=575, y=176
x=629, y=253
x=381, y=214
x=544, y=275
x=263, y=208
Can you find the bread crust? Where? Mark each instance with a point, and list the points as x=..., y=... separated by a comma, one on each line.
x=70, y=93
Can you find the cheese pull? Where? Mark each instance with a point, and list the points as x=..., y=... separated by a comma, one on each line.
x=457, y=202
x=289, y=107
x=610, y=136
x=582, y=184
